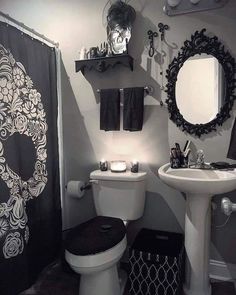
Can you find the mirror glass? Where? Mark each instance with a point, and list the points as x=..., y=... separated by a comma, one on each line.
x=200, y=89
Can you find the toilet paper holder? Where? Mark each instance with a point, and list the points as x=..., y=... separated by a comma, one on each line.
x=77, y=188
x=86, y=185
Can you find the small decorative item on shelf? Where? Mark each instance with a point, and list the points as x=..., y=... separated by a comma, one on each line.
x=103, y=51
x=93, y=52
x=103, y=165
x=83, y=53
x=134, y=166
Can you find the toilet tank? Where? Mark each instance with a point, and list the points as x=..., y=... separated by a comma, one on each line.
x=120, y=195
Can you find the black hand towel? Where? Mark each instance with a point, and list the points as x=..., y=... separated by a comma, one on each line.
x=232, y=146
x=110, y=109
x=133, y=109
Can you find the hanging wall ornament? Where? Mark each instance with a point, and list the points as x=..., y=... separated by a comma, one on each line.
x=162, y=28
x=120, y=19
x=151, y=36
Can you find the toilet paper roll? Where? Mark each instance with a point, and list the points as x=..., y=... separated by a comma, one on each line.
x=74, y=188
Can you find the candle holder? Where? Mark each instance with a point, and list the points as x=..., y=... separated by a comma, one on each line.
x=134, y=167
x=103, y=165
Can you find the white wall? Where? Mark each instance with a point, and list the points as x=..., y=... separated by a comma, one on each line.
x=76, y=23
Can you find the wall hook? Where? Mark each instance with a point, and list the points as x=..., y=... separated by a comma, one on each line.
x=162, y=29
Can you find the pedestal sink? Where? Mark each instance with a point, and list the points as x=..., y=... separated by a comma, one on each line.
x=199, y=186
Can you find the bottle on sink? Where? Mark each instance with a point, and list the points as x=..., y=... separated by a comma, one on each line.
x=174, y=160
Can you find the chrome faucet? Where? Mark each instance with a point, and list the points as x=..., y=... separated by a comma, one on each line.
x=199, y=163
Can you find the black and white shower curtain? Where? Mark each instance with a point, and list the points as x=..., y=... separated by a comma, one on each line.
x=30, y=211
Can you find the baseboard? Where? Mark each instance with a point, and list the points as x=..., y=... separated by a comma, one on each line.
x=220, y=270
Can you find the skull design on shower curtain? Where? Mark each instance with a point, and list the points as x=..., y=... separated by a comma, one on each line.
x=21, y=111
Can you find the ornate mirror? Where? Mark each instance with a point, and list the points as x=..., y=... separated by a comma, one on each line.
x=201, y=85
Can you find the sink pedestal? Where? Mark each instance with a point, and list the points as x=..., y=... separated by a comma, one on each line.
x=199, y=186
x=197, y=242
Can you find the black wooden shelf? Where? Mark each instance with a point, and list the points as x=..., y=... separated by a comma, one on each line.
x=101, y=64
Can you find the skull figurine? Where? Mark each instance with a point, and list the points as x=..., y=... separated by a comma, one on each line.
x=120, y=19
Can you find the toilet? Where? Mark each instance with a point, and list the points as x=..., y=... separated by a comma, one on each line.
x=94, y=248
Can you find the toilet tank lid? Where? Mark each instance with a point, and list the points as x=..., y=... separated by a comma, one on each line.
x=121, y=176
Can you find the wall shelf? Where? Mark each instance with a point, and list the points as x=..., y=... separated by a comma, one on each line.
x=101, y=64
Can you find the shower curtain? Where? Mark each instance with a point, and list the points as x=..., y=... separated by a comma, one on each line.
x=30, y=211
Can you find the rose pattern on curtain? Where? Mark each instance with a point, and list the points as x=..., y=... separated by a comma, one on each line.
x=21, y=111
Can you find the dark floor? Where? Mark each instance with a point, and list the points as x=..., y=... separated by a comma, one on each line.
x=223, y=288
x=55, y=280
x=58, y=280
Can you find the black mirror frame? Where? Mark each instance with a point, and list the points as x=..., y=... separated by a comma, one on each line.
x=200, y=43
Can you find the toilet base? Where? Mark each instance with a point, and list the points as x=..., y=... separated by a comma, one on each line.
x=123, y=280
x=104, y=282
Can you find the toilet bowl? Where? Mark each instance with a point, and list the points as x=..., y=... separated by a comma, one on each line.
x=94, y=248
x=96, y=260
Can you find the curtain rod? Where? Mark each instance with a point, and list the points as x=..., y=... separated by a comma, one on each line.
x=22, y=25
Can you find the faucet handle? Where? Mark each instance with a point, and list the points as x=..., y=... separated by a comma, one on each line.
x=200, y=153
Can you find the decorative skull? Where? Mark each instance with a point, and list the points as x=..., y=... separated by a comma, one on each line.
x=120, y=18
x=21, y=111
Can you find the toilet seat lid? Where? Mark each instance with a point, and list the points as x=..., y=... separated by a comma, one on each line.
x=94, y=236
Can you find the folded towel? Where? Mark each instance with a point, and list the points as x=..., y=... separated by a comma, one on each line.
x=232, y=146
x=110, y=109
x=133, y=109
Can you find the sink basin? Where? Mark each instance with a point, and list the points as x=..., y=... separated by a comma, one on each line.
x=199, y=186
x=199, y=181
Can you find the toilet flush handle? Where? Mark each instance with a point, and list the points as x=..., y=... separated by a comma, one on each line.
x=88, y=185
x=95, y=181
